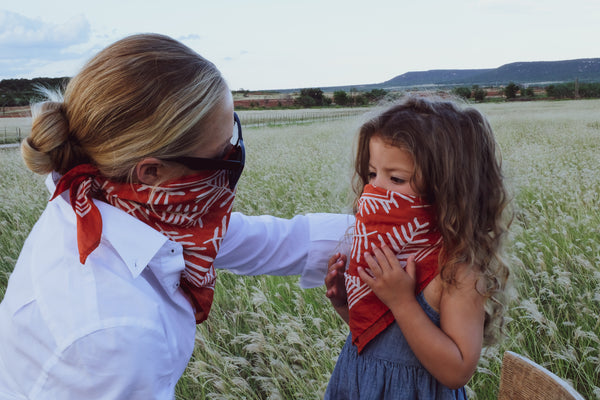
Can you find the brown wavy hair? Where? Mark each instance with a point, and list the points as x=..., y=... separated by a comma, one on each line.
x=458, y=171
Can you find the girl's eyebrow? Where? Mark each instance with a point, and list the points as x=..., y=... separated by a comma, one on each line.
x=393, y=169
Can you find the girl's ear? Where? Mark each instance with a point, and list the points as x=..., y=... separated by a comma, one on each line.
x=149, y=171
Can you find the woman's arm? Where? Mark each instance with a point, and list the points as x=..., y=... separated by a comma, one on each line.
x=450, y=353
x=266, y=245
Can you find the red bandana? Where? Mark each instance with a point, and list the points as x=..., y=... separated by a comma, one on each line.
x=193, y=211
x=406, y=225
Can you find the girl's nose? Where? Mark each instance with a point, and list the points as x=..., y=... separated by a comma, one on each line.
x=376, y=181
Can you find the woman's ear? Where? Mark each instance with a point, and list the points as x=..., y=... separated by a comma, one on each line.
x=149, y=171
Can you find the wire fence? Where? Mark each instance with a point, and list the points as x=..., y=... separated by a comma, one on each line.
x=14, y=130
x=287, y=117
x=12, y=135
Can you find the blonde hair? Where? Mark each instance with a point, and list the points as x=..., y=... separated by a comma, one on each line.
x=146, y=95
x=459, y=167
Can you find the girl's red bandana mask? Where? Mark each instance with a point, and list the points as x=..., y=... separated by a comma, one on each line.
x=406, y=225
x=193, y=211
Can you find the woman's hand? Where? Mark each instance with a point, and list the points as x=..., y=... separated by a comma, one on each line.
x=334, y=280
x=391, y=283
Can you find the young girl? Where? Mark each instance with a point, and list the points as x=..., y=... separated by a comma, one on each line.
x=423, y=290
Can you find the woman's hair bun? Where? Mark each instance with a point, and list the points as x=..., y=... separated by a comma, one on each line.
x=49, y=147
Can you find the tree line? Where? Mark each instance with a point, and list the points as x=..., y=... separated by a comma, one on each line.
x=314, y=97
x=21, y=92
x=512, y=91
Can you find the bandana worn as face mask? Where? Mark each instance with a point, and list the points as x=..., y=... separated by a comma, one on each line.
x=193, y=211
x=407, y=226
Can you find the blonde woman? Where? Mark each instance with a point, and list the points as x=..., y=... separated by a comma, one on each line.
x=143, y=153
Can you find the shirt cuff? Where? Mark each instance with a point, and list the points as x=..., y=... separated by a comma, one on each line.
x=328, y=234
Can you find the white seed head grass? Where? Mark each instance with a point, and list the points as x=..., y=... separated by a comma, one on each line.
x=268, y=339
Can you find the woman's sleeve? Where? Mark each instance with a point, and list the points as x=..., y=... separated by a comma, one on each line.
x=266, y=245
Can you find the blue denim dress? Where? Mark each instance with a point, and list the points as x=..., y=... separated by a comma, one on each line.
x=387, y=369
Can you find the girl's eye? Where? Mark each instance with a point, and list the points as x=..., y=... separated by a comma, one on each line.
x=371, y=175
x=398, y=181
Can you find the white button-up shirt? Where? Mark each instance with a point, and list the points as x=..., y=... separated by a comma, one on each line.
x=119, y=327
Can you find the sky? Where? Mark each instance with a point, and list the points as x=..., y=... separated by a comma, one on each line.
x=270, y=44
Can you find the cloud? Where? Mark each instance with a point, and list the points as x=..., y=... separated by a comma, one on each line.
x=191, y=36
x=25, y=38
x=241, y=54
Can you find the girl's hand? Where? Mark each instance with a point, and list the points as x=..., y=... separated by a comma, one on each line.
x=334, y=280
x=451, y=351
x=391, y=283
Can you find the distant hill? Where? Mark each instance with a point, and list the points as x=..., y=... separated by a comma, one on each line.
x=534, y=72
x=540, y=72
x=435, y=77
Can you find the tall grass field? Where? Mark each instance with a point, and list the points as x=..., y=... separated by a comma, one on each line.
x=267, y=338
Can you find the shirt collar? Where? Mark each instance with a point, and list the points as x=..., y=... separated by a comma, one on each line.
x=135, y=242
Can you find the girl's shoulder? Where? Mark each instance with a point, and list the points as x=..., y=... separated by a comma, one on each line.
x=466, y=279
x=467, y=282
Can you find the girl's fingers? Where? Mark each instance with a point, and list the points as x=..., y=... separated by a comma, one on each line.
x=411, y=267
x=381, y=258
x=386, y=257
x=333, y=259
x=390, y=256
x=375, y=268
x=366, y=276
x=330, y=277
x=334, y=279
x=383, y=261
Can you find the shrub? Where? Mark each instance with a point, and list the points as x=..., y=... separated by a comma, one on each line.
x=463, y=92
x=305, y=101
x=510, y=91
x=527, y=92
x=478, y=93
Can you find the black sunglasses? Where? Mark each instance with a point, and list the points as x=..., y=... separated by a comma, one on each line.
x=233, y=161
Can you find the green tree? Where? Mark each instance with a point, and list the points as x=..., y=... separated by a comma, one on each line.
x=305, y=101
x=527, y=92
x=561, y=91
x=462, y=91
x=361, y=100
x=567, y=90
x=510, y=91
x=340, y=98
x=376, y=95
x=479, y=93
x=589, y=90
x=315, y=93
